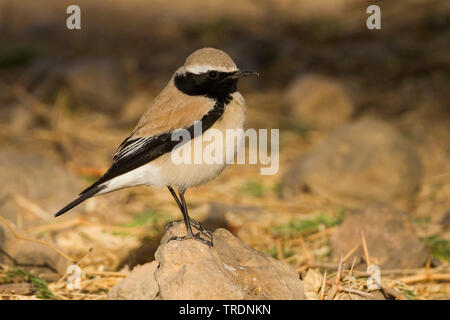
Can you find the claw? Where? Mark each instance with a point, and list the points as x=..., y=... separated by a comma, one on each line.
x=200, y=228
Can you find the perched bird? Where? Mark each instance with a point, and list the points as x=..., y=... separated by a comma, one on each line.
x=203, y=90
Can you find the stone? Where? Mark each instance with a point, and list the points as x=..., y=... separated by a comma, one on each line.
x=139, y=285
x=390, y=239
x=361, y=162
x=319, y=102
x=191, y=270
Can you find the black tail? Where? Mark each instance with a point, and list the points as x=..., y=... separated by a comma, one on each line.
x=83, y=196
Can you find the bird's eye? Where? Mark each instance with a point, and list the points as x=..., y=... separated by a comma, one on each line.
x=213, y=74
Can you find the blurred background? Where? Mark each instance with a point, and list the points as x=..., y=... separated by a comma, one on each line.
x=363, y=118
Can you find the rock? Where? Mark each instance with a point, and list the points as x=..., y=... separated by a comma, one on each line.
x=362, y=162
x=191, y=270
x=35, y=188
x=319, y=102
x=139, y=285
x=390, y=239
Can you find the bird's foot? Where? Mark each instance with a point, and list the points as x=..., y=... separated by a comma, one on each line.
x=196, y=225
x=193, y=237
x=200, y=228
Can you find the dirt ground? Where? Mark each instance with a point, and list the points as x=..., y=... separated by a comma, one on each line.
x=399, y=74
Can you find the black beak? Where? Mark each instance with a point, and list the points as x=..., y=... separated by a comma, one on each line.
x=238, y=74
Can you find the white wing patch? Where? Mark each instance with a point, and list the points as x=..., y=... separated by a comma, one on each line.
x=130, y=148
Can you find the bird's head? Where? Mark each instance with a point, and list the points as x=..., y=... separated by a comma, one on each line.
x=209, y=72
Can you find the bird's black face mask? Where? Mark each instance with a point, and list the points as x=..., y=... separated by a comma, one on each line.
x=212, y=84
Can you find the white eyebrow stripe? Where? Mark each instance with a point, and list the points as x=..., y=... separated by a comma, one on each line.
x=197, y=69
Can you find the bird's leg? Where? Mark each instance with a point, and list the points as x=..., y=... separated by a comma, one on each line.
x=180, y=206
x=187, y=221
x=193, y=222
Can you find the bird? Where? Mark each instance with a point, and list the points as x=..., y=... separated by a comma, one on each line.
x=202, y=91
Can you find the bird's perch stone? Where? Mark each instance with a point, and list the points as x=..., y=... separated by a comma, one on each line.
x=191, y=270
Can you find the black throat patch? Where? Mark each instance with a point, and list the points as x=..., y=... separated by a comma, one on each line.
x=219, y=88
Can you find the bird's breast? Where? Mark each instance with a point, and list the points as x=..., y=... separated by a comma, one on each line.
x=234, y=114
